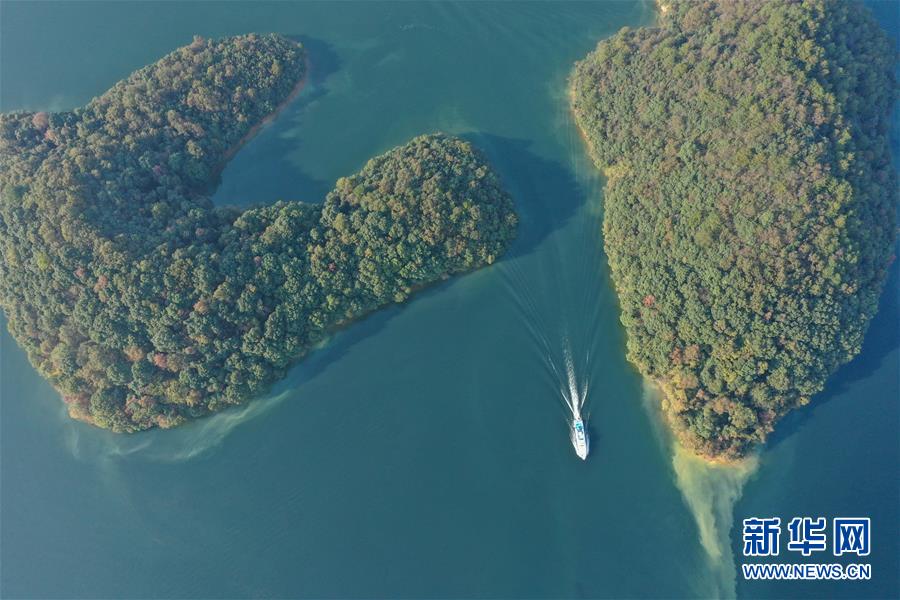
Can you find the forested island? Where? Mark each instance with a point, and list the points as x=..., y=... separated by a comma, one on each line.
x=146, y=305
x=750, y=201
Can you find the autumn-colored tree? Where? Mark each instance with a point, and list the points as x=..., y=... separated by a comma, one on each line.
x=750, y=201
x=144, y=304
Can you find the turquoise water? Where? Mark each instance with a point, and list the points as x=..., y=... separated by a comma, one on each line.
x=424, y=451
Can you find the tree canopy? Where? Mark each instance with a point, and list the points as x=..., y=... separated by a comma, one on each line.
x=750, y=201
x=144, y=304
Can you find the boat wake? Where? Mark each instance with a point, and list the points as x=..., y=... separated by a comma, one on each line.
x=574, y=398
x=561, y=292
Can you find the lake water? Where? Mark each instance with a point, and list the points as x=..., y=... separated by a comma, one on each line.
x=422, y=452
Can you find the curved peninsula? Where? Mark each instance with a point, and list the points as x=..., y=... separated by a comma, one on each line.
x=144, y=304
x=750, y=202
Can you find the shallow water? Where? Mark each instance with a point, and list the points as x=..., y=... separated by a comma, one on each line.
x=424, y=451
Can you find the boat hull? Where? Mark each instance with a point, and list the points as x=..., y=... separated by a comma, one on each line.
x=580, y=439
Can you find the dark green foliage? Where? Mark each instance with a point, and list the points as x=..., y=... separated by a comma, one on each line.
x=750, y=202
x=144, y=304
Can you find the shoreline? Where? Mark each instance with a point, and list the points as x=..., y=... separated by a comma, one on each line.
x=663, y=393
x=255, y=129
x=712, y=461
x=570, y=92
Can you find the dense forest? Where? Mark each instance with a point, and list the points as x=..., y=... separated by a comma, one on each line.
x=750, y=201
x=144, y=304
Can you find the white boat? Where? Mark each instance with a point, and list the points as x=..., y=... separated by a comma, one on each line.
x=579, y=437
